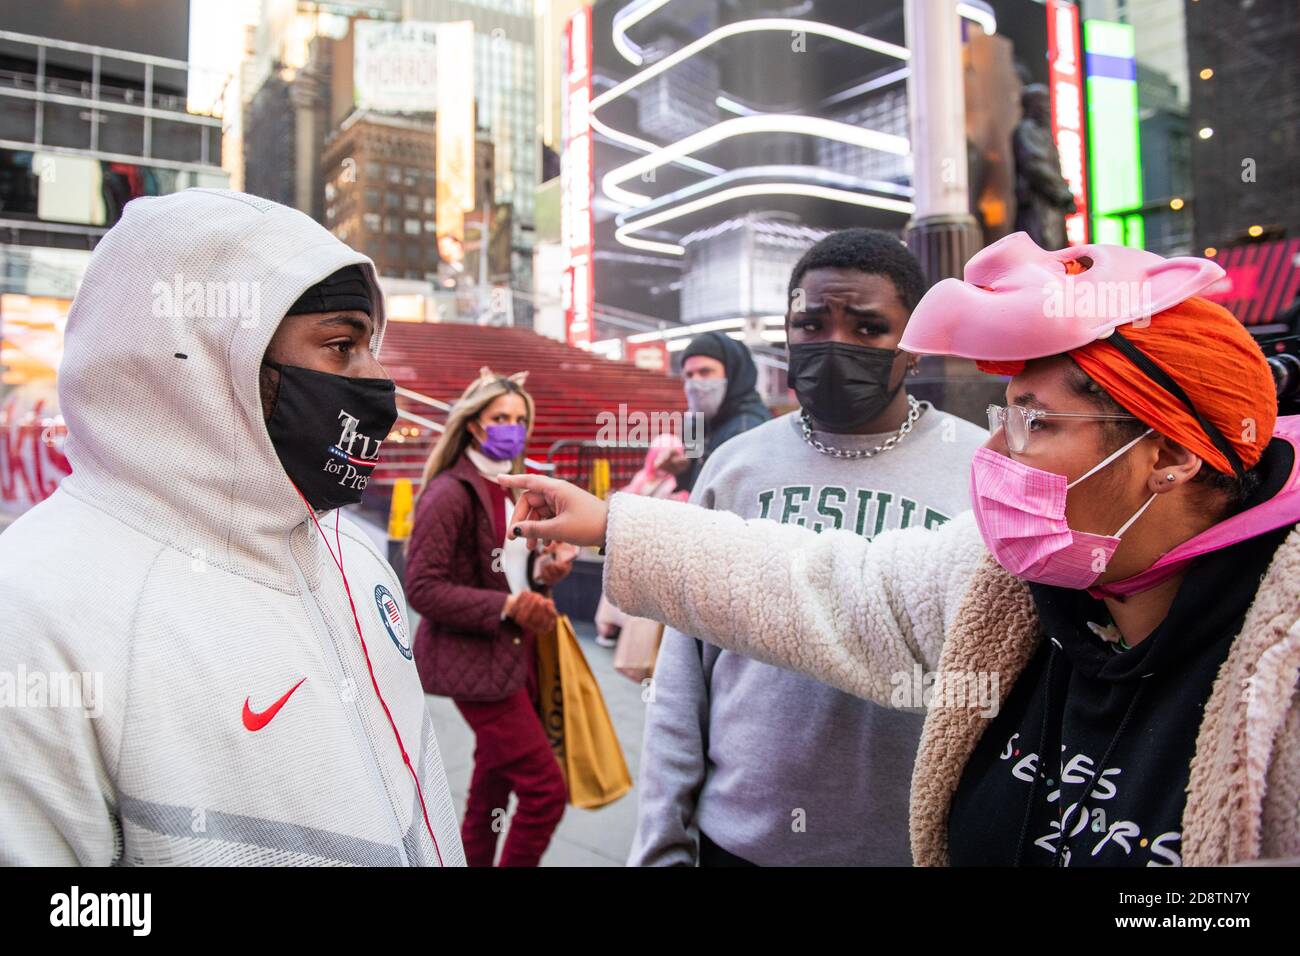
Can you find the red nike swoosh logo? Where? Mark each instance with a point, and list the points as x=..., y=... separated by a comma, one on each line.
x=256, y=722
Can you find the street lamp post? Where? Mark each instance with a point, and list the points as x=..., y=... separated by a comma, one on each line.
x=942, y=234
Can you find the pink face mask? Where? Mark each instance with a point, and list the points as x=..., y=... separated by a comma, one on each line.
x=1021, y=515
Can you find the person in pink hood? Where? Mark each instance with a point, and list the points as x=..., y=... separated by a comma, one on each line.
x=655, y=482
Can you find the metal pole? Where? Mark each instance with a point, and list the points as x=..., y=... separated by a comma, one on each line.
x=148, y=104
x=40, y=95
x=943, y=234
x=94, y=96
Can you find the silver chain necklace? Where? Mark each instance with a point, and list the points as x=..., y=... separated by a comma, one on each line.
x=914, y=411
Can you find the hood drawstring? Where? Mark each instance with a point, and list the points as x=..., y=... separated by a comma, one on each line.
x=1058, y=857
x=338, y=562
x=1103, y=762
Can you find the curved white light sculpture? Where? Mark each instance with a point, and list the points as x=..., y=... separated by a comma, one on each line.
x=635, y=142
x=623, y=233
x=612, y=181
x=632, y=14
x=682, y=151
x=975, y=10
x=782, y=24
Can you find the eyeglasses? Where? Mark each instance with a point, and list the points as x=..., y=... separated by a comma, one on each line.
x=1017, y=422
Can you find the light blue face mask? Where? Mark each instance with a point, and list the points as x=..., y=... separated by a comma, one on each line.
x=705, y=395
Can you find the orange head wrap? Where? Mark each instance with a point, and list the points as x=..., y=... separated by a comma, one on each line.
x=1210, y=356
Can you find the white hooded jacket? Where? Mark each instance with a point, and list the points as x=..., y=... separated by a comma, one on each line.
x=233, y=718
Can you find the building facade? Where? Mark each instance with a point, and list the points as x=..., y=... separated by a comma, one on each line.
x=93, y=114
x=1245, y=120
x=379, y=192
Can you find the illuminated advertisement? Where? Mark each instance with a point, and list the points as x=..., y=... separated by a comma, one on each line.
x=1113, y=144
x=454, y=139
x=395, y=66
x=31, y=431
x=578, y=292
x=1066, y=75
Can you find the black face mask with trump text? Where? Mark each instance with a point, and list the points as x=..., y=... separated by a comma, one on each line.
x=327, y=430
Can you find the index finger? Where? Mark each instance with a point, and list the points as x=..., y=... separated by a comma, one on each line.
x=525, y=481
x=522, y=508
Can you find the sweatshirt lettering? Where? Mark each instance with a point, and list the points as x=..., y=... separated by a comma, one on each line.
x=868, y=511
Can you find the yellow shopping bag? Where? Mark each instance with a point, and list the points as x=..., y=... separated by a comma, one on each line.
x=577, y=723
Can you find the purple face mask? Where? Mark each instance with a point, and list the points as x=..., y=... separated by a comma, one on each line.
x=504, y=442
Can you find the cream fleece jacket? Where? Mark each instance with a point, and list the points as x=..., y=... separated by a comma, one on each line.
x=854, y=614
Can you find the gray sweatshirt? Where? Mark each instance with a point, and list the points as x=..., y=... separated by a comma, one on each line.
x=776, y=767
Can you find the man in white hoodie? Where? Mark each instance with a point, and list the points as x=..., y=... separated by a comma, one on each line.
x=202, y=665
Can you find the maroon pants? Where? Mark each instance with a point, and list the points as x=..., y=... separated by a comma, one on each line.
x=511, y=754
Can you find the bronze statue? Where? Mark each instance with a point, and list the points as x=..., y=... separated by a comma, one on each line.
x=1043, y=199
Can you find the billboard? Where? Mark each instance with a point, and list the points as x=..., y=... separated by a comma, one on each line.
x=1065, y=69
x=1113, y=138
x=454, y=138
x=579, y=294
x=395, y=66
x=31, y=430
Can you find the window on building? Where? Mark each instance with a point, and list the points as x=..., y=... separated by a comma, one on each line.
x=392, y=201
x=390, y=224
x=412, y=202
x=412, y=227
x=371, y=221
x=395, y=174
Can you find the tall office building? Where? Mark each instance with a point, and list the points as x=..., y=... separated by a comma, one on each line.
x=380, y=191
x=93, y=114
x=505, y=96
x=1245, y=119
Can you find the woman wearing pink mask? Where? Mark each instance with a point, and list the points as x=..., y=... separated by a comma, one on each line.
x=1108, y=644
x=654, y=481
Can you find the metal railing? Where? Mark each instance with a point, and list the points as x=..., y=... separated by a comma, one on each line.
x=576, y=461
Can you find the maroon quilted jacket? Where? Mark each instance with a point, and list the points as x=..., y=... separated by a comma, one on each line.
x=462, y=648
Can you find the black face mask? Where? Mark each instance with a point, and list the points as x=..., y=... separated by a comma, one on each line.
x=327, y=430
x=842, y=386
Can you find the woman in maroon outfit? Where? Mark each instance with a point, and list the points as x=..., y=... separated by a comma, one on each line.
x=482, y=600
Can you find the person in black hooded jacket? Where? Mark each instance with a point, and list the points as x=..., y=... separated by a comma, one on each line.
x=719, y=376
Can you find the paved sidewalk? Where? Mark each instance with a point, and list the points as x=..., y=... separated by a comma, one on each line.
x=585, y=837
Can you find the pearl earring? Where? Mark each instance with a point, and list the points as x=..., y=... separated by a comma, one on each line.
x=1169, y=477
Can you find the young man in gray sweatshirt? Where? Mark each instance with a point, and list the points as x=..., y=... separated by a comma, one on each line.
x=767, y=766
